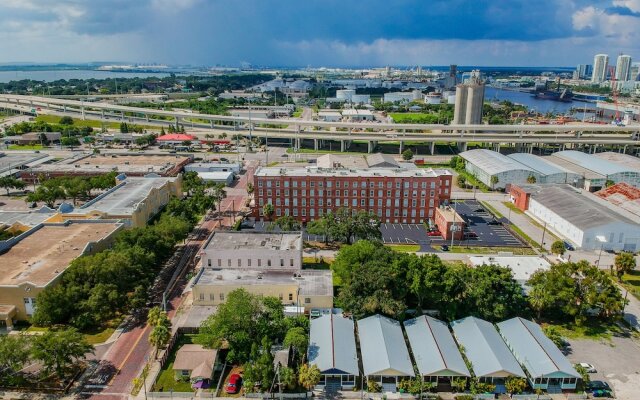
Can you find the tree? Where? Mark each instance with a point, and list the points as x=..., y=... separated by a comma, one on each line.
x=268, y=210
x=11, y=182
x=492, y=293
x=298, y=339
x=309, y=376
x=407, y=155
x=286, y=223
x=159, y=337
x=250, y=189
x=66, y=120
x=609, y=183
x=259, y=372
x=462, y=181
x=553, y=333
x=288, y=377
x=459, y=384
x=57, y=350
x=558, y=247
x=494, y=181
x=322, y=227
x=515, y=385
x=14, y=352
x=124, y=127
x=531, y=179
x=624, y=263
x=70, y=141
x=347, y=225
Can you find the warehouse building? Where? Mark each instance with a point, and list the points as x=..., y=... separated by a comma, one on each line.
x=434, y=350
x=522, y=267
x=37, y=259
x=332, y=348
x=496, y=170
x=384, y=354
x=490, y=357
x=622, y=195
x=584, y=219
x=395, y=195
x=549, y=172
x=547, y=368
x=607, y=170
x=620, y=159
x=213, y=167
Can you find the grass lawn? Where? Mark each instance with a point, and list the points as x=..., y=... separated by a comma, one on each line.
x=631, y=282
x=101, y=335
x=512, y=207
x=166, y=379
x=25, y=147
x=413, y=118
x=303, y=150
x=54, y=119
x=297, y=113
x=519, y=251
x=446, y=165
x=315, y=263
x=593, y=329
x=404, y=248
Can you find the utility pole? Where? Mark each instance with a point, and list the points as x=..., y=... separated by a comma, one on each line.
x=543, y=232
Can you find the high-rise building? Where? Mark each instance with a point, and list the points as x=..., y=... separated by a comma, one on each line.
x=623, y=68
x=600, y=64
x=469, y=101
x=584, y=71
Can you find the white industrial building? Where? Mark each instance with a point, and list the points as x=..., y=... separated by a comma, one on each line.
x=486, y=164
x=433, y=98
x=548, y=172
x=329, y=116
x=402, y=97
x=358, y=115
x=213, y=167
x=584, y=219
x=611, y=171
x=522, y=267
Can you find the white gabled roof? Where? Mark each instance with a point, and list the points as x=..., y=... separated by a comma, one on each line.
x=332, y=345
x=382, y=347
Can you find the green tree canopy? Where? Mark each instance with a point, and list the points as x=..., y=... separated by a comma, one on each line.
x=624, y=263
x=558, y=247
x=58, y=350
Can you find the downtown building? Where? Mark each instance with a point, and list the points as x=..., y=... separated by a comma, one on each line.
x=395, y=194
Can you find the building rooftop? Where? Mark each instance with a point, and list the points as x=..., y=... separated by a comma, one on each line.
x=11, y=162
x=344, y=172
x=582, y=209
x=620, y=159
x=492, y=162
x=596, y=164
x=449, y=214
x=195, y=358
x=311, y=282
x=126, y=163
x=538, y=164
x=24, y=217
x=43, y=255
x=383, y=348
x=125, y=198
x=353, y=112
x=522, y=266
x=255, y=241
x=575, y=168
x=216, y=175
x=534, y=350
x=176, y=137
x=340, y=161
x=379, y=160
x=332, y=344
x=622, y=195
x=433, y=347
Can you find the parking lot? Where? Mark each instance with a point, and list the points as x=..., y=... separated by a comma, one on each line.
x=478, y=221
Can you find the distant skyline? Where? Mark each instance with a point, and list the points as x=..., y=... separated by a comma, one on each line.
x=319, y=33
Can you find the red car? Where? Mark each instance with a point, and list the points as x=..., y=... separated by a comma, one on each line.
x=434, y=233
x=235, y=382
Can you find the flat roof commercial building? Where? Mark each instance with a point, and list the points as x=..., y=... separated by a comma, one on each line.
x=131, y=164
x=584, y=219
x=395, y=195
x=134, y=201
x=484, y=348
x=522, y=267
x=267, y=251
x=357, y=115
x=384, y=354
x=224, y=177
x=332, y=348
x=449, y=223
x=213, y=167
x=37, y=259
x=544, y=363
x=604, y=169
x=434, y=350
x=12, y=163
x=627, y=160
x=305, y=288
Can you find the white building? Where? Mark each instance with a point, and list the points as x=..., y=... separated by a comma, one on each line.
x=600, y=65
x=496, y=170
x=329, y=116
x=402, y=97
x=584, y=219
x=433, y=98
x=358, y=115
x=623, y=68
x=213, y=167
x=254, y=250
x=345, y=94
x=521, y=266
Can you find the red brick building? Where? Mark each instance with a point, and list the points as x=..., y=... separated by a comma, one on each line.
x=445, y=219
x=395, y=195
x=520, y=195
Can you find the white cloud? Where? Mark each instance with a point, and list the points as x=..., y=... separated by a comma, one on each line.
x=633, y=5
x=173, y=5
x=615, y=30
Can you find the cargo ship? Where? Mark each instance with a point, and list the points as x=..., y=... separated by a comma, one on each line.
x=558, y=94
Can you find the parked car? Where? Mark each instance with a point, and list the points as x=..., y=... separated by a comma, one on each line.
x=235, y=382
x=589, y=368
x=444, y=247
x=598, y=385
x=494, y=222
x=470, y=234
x=569, y=246
x=434, y=233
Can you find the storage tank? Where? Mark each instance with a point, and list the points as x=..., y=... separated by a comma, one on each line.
x=433, y=98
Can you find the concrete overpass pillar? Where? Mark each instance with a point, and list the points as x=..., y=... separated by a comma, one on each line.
x=147, y=117
x=82, y=109
x=211, y=122
x=433, y=148
x=64, y=108
x=462, y=146
x=342, y=145
x=315, y=144
x=101, y=114
x=370, y=146
x=177, y=122
x=122, y=115
x=401, y=146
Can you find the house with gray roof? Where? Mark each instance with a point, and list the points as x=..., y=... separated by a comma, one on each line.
x=384, y=354
x=435, y=352
x=488, y=354
x=547, y=368
x=332, y=348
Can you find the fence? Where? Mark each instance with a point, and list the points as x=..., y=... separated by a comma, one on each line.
x=276, y=396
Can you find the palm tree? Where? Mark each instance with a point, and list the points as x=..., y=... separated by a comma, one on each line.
x=159, y=337
x=624, y=263
x=267, y=210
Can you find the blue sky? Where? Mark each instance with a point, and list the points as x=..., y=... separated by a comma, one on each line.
x=319, y=33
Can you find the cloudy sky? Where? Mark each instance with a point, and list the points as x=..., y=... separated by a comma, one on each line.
x=319, y=32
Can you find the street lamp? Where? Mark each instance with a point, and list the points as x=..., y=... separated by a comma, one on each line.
x=602, y=241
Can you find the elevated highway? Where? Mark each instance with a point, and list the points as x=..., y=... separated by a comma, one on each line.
x=525, y=136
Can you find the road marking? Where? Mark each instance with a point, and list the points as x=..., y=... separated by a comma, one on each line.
x=128, y=354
